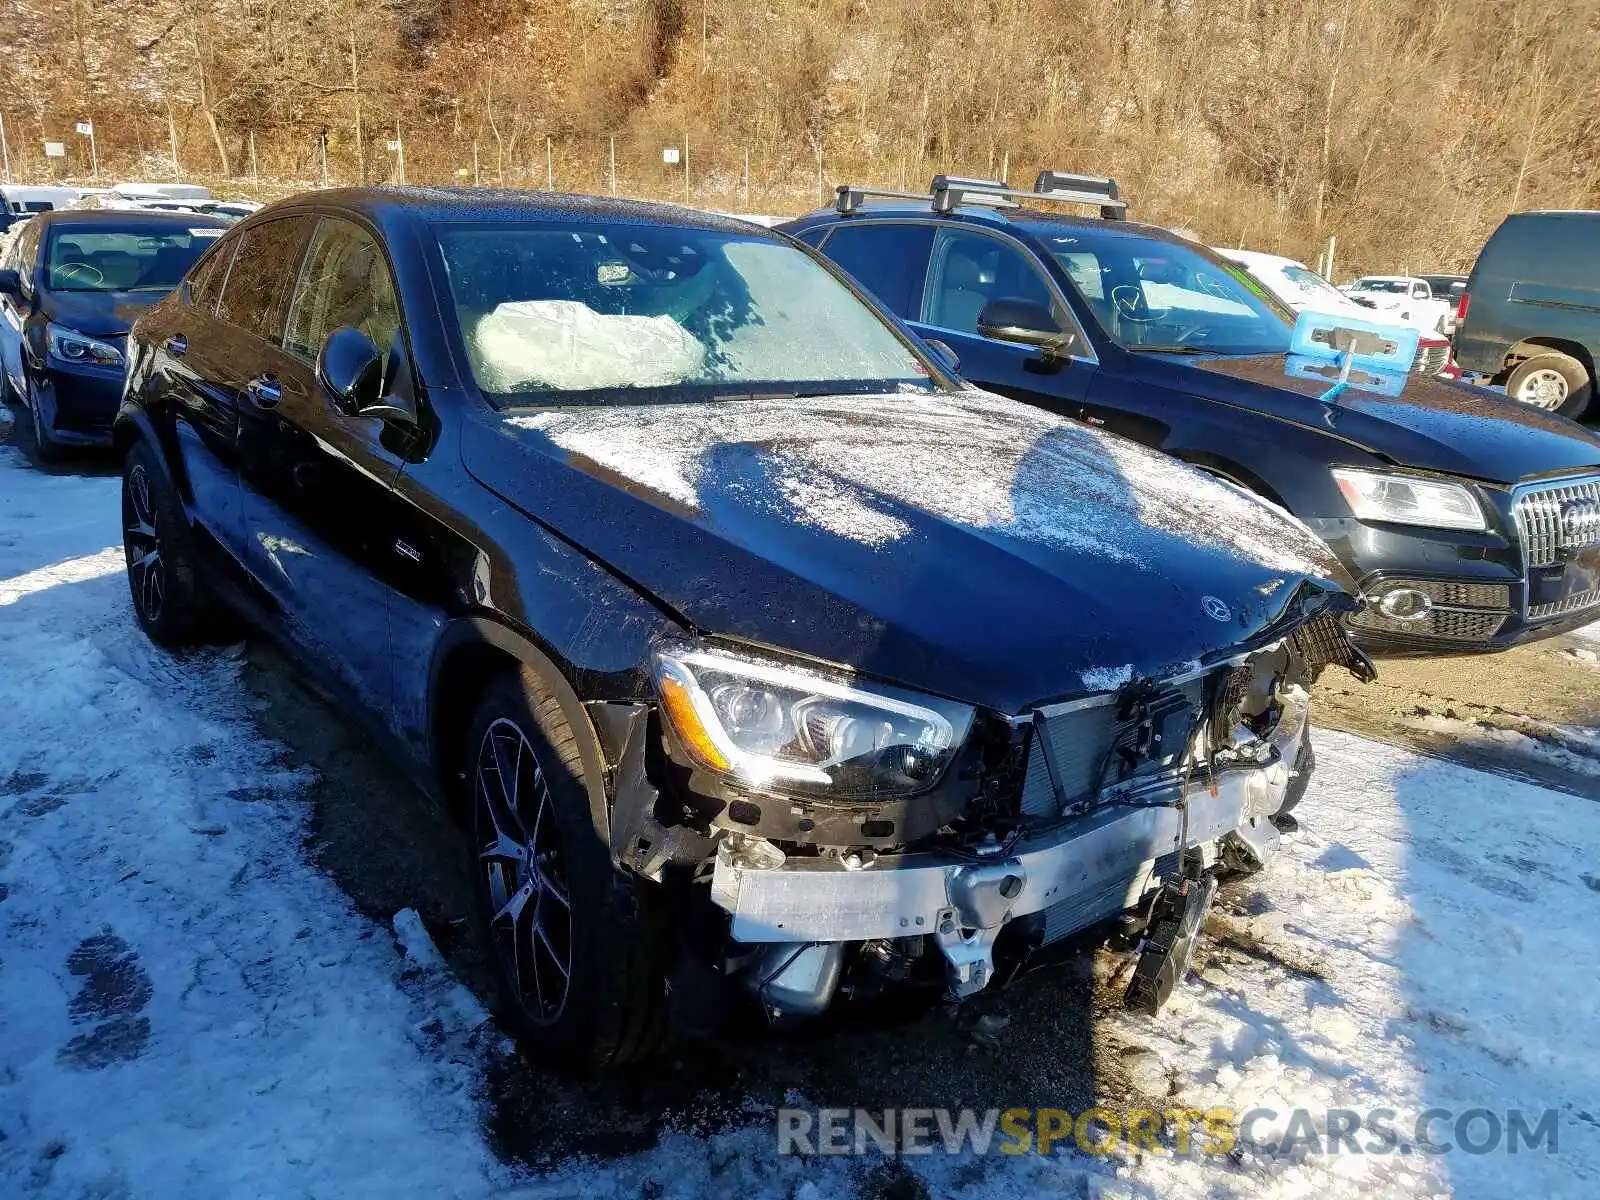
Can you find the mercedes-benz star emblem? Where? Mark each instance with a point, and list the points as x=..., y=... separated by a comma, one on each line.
x=1216, y=609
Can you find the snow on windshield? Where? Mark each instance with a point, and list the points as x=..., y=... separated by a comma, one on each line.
x=856, y=465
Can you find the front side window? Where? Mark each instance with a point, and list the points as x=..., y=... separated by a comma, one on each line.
x=1150, y=294
x=344, y=282
x=255, y=294
x=585, y=313
x=969, y=270
x=887, y=260
x=1395, y=287
x=132, y=259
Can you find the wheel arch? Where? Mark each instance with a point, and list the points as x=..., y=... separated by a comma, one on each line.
x=471, y=651
x=1232, y=472
x=1530, y=346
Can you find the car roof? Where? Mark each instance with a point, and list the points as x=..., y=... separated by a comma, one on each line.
x=1028, y=220
x=112, y=218
x=498, y=205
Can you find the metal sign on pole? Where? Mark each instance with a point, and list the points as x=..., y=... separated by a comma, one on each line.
x=55, y=149
x=86, y=129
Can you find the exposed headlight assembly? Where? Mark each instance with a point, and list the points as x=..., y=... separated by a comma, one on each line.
x=1374, y=496
x=71, y=346
x=773, y=725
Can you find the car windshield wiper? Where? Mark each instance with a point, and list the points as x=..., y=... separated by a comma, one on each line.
x=1173, y=349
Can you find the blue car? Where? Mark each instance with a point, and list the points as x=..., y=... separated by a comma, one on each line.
x=71, y=286
x=1469, y=522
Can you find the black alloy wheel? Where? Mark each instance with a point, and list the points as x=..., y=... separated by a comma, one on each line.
x=530, y=915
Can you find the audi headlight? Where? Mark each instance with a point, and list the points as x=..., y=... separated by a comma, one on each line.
x=770, y=724
x=1374, y=496
x=71, y=346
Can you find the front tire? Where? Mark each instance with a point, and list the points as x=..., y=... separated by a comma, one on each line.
x=578, y=943
x=45, y=446
x=160, y=553
x=1552, y=381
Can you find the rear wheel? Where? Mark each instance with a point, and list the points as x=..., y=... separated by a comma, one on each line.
x=1552, y=381
x=578, y=943
x=159, y=549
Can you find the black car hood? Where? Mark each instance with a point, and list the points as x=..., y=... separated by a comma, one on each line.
x=1433, y=424
x=98, y=314
x=962, y=544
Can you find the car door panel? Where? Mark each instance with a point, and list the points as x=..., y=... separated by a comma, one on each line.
x=189, y=351
x=970, y=268
x=320, y=507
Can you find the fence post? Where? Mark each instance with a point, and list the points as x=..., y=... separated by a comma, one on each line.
x=5, y=150
x=613, y=164
x=746, y=190
x=549, y=165
x=255, y=174
x=685, y=164
x=475, y=182
x=1332, y=242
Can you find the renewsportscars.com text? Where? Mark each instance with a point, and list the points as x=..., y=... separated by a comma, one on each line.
x=1182, y=1132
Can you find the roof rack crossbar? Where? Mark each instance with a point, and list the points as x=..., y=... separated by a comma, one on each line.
x=847, y=199
x=949, y=191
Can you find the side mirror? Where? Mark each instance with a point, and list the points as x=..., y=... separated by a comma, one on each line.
x=1026, y=323
x=10, y=283
x=350, y=366
x=944, y=355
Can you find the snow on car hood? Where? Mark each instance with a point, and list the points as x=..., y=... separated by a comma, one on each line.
x=962, y=543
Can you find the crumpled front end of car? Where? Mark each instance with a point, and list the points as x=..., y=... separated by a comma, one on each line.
x=851, y=838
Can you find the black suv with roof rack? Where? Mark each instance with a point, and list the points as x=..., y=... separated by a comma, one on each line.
x=1470, y=522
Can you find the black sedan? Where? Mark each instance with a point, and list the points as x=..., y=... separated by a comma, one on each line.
x=70, y=287
x=753, y=648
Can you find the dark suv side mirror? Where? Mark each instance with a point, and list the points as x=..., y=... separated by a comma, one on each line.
x=350, y=366
x=1026, y=323
x=10, y=283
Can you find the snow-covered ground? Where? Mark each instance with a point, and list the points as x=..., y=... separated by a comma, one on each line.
x=189, y=1008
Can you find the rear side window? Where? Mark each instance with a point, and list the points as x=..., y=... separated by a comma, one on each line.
x=256, y=294
x=205, y=284
x=345, y=281
x=888, y=260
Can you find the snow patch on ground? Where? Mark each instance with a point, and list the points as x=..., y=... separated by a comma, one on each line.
x=187, y=1006
x=1569, y=747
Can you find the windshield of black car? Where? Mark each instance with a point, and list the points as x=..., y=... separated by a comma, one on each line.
x=1149, y=294
x=131, y=259
x=590, y=312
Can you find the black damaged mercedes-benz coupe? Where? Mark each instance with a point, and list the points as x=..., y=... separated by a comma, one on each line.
x=747, y=642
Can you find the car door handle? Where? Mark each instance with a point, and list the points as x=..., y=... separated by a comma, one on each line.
x=264, y=391
x=177, y=345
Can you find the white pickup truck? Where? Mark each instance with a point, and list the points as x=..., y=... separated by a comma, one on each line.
x=1406, y=297
x=1303, y=290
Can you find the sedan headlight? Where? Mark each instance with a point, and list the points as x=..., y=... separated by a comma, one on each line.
x=71, y=346
x=770, y=724
x=1374, y=496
